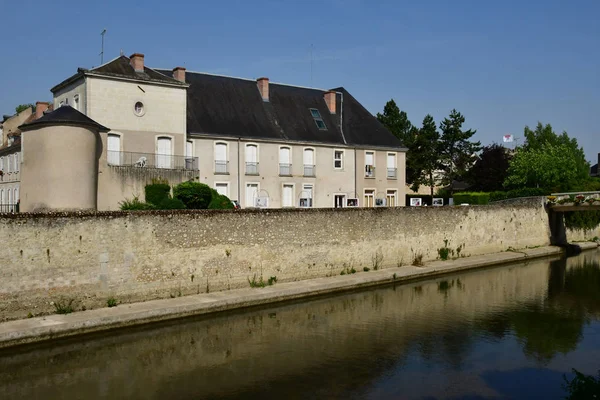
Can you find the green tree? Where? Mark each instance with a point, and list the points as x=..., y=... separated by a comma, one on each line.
x=397, y=122
x=490, y=169
x=457, y=150
x=551, y=167
x=426, y=154
x=544, y=135
x=23, y=107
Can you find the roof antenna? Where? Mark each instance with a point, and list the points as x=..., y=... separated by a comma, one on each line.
x=102, y=50
x=311, y=65
x=121, y=52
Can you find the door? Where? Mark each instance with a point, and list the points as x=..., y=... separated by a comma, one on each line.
x=163, y=153
x=369, y=198
x=309, y=162
x=338, y=200
x=221, y=158
x=222, y=188
x=391, y=166
x=287, y=196
x=251, y=159
x=113, y=149
x=189, y=155
x=369, y=168
x=251, y=194
x=285, y=167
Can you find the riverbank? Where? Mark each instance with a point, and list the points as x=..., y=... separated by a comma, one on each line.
x=41, y=329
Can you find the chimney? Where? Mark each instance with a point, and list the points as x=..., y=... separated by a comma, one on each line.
x=330, y=100
x=40, y=108
x=137, y=62
x=179, y=74
x=263, y=88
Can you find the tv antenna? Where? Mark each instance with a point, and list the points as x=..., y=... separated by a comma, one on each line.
x=311, y=65
x=102, y=50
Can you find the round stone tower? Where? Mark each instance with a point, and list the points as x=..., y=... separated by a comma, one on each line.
x=59, y=170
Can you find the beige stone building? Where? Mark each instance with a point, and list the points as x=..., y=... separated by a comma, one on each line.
x=264, y=144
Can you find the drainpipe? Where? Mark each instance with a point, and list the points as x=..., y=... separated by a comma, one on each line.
x=239, y=199
x=355, y=176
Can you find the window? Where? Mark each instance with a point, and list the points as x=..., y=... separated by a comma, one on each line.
x=369, y=198
x=338, y=159
x=2, y=197
x=222, y=188
x=390, y=197
x=287, y=196
x=1, y=163
x=306, y=197
x=221, y=163
x=251, y=194
x=369, y=164
x=251, y=159
x=8, y=165
x=391, y=166
x=139, y=109
x=76, y=102
x=113, y=149
x=309, y=162
x=318, y=119
x=10, y=197
x=16, y=195
x=62, y=103
x=164, y=153
x=285, y=161
x=190, y=161
x=16, y=169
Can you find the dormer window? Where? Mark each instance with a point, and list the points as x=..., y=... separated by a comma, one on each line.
x=318, y=119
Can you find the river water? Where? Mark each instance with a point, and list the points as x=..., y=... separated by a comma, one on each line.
x=510, y=332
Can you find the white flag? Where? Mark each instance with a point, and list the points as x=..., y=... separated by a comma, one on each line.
x=508, y=138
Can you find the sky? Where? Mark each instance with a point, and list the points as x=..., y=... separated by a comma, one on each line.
x=502, y=64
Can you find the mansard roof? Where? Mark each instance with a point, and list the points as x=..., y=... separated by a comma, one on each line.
x=227, y=106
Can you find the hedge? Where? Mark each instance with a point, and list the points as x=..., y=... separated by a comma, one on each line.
x=156, y=193
x=194, y=195
x=471, y=198
x=515, y=193
x=171, y=204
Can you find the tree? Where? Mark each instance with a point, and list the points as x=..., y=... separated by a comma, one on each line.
x=490, y=169
x=426, y=154
x=23, y=107
x=457, y=151
x=551, y=167
x=397, y=123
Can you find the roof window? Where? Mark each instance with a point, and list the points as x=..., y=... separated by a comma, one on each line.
x=318, y=119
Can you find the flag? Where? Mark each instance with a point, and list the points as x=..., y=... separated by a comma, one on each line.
x=508, y=138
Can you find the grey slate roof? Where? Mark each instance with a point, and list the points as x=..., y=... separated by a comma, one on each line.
x=65, y=115
x=219, y=105
x=594, y=170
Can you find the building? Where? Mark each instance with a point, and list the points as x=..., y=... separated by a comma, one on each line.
x=264, y=144
x=594, y=168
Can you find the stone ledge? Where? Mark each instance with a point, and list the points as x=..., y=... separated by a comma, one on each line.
x=42, y=329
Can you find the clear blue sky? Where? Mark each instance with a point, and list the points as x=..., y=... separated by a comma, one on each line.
x=503, y=64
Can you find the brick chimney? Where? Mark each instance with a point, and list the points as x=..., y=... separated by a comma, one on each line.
x=263, y=88
x=179, y=74
x=137, y=61
x=40, y=108
x=330, y=100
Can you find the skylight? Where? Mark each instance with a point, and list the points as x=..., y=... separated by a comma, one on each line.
x=318, y=119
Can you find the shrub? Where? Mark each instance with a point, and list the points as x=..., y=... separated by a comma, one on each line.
x=498, y=195
x=156, y=193
x=221, y=202
x=194, y=195
x=171, y=204
x=526, y=192
x=135, y=204
x=586, y=220
x=472, y=198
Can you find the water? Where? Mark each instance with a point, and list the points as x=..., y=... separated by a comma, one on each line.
x=510, y=332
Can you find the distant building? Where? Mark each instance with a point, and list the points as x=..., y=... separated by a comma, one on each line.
x=594, y=168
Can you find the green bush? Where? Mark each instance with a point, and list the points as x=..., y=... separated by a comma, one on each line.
x=135, y=204
x=498, y=195
x=586, y=220
x=156, y=193
x=194, y=195
x=171, y=204
x=526, y=192
x=221, y=202
x=471, y=198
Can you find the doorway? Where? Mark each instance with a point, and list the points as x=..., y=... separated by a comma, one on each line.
x=339, y=200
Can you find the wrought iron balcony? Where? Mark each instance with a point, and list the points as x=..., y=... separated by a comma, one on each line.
x=9, y=208
x=309, y=170
x=251, y=168
x=221, y=167
x=150, y=160
x=285, y=169
x=369, y=171
x=392, y=173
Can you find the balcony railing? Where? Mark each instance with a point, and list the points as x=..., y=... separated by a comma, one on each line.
x=221, y=167
x=309, y=170
x=369, y=171
x=9, y=208
x=251, y=168
x=285, y=169
x=391, y=173
x=150, y=160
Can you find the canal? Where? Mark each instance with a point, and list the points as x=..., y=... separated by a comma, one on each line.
x=510, y=332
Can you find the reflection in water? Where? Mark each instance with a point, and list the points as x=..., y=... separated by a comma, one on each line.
x=495, y=333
